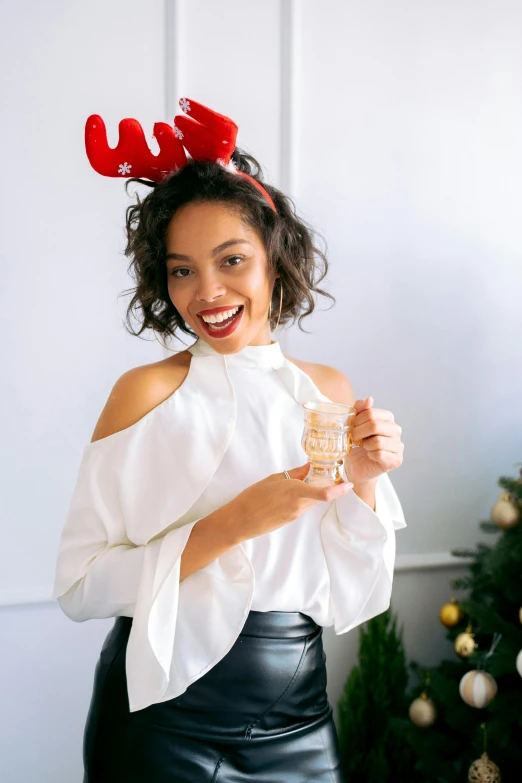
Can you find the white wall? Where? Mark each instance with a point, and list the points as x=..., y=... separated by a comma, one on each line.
x=410, y=162
x=62, y=252
x=395, y=128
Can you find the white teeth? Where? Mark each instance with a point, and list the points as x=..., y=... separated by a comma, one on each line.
x=213, y=319
x=217, y=327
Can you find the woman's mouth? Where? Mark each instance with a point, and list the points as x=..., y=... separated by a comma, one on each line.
x=224, y=328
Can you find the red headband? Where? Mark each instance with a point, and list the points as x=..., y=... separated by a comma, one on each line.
x=206, y=135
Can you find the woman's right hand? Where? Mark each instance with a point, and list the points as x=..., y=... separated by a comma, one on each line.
x=275, y=500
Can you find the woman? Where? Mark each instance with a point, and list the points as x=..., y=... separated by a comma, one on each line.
x=190, y=522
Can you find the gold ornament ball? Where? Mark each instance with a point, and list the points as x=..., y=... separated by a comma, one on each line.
x=519, y=663
x=483, y=770
x=477, y=688
x=465, y=644
x=505, y=514
x=450, y=614
x=422, y=711
x=520, y=614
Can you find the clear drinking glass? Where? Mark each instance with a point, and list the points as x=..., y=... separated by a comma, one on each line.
x=327, y=439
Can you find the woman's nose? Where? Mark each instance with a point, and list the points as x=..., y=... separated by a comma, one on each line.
x=209, y=289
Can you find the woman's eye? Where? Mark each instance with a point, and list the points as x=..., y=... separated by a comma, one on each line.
x=232, y=257
x=174, y=272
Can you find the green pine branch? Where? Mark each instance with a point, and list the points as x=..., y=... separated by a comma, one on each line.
x=488, y=527
x=511, y=485
x=374, y=694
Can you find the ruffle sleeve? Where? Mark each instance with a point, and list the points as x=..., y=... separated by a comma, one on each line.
x=127, y=526
x=359, y=547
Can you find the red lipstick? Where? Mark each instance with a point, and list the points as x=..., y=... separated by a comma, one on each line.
x=225, y=328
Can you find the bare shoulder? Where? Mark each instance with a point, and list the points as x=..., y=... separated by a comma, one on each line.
x=331, y=382
x=138, y=391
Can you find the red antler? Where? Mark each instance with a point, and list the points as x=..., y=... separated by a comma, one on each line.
x=206, y=135
x=210, y=136
x=132, y=156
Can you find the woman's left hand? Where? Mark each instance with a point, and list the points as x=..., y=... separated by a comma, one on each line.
x=381, y=447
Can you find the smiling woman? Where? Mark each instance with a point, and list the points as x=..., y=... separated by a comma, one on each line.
x=191, y=523
x=178, y=238
x=219, y=295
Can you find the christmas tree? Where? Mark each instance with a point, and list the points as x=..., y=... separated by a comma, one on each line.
x=373, y=750
x=473, y=703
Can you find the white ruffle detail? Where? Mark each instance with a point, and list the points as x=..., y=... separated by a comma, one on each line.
x=180, y=630
x=359, y=546
x=112, y=560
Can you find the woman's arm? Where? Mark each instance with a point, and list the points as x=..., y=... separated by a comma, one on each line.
x=111, y=582
x=209, y=538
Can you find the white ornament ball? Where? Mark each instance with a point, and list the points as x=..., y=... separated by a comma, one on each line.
x=477, y=688
x=505, y=514
x=519, y=663
x=422, y=712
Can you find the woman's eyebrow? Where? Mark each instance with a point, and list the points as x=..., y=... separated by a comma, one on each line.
x=218, y=249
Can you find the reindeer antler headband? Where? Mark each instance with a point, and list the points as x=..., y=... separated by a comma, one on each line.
x=206, y=135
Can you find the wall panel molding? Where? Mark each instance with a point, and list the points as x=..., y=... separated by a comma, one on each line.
x=174, y=26
x=289, y=90
x=427, y=561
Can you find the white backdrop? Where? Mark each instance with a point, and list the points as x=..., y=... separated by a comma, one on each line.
x=410, y=160
x=396, y=127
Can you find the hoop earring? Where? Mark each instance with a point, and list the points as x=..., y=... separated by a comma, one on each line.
x=280, y=306
x=159, y=341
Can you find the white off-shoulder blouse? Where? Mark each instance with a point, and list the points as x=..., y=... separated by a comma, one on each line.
x=235, y=419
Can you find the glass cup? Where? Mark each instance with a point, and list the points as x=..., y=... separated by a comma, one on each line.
x=327, y=439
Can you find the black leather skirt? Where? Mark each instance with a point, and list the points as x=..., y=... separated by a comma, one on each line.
x=260, y=714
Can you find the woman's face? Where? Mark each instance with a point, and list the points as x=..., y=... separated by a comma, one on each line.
x=214, y=261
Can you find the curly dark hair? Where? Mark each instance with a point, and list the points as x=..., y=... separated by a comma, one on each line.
x=290, y=242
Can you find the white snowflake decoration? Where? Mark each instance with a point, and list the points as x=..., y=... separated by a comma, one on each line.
x=177, y=133
x=185, y=104
x=124, y=168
